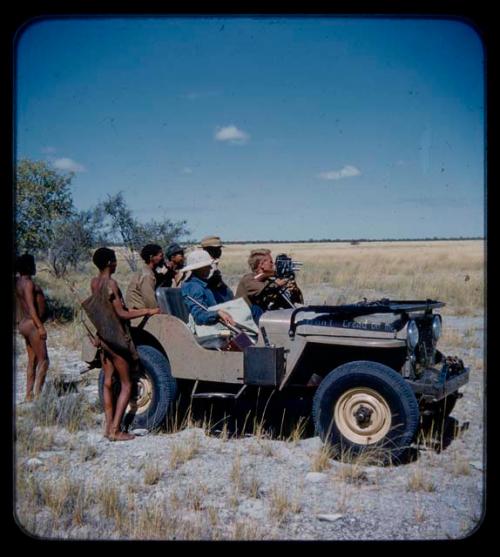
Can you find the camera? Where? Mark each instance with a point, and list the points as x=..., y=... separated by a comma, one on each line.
x=286, y=267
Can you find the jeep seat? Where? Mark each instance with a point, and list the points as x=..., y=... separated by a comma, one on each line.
x=170, y=301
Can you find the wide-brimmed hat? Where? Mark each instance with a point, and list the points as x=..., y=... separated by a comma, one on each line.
x=173, y=249
x=197, y=259
x=211, y=242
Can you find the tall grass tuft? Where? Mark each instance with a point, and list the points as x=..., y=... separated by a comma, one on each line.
x=71, y=411
x=183, y=451
x=281, y=504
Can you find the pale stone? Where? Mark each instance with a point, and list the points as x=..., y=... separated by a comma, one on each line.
x=329, y=517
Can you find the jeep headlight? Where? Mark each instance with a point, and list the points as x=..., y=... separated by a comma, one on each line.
x=436, y=327
x=412, y=334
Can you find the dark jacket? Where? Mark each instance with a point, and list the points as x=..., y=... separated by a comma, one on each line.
x=199, y=290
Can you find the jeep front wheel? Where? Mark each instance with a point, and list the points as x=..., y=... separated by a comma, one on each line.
x=366, y=406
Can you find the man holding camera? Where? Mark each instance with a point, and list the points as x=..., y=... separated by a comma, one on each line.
x=262, y=290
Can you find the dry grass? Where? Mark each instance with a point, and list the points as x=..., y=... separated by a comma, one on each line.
x=252, y=486
x=152, y=523
x=452, y=271
x=419, y=514
x=71, y=411
x=453, y=338
x=352, y=474
x=244, y=481
x=418, y=481
x=460, y=466
x=31, y=439
x=282, y=504
x=195, y=496
x=369, y=456
x=266, y=448
x=298, y=431
x=235, y=472
x=87, y=452
x=152, y=473
x=449, y=271
x=321, y=459
x=183, y=451
x=109, y=498
x=246, y=530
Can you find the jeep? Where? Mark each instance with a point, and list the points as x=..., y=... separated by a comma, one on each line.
x=370, y=371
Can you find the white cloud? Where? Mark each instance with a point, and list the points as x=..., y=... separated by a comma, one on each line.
x=187, y=170
x=231, y=134
x=346, y=172
x=68, y=165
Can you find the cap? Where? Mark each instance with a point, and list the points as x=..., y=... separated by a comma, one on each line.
x=173, y=249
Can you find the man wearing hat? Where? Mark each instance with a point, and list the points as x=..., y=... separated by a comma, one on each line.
x=170, y=273
x=200, y=267
x=213, y=246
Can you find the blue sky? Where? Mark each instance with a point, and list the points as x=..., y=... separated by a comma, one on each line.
x=263, y=128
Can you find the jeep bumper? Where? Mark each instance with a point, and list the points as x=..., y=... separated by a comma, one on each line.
x=436, y=384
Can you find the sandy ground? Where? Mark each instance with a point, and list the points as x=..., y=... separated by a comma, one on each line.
x=259, y=488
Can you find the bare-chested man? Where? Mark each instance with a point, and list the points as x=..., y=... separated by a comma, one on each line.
x=31, y=313
x=114, y=360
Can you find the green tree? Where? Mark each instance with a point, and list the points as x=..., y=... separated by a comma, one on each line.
x=43, y=199
x=119, y=226
x=73, y=241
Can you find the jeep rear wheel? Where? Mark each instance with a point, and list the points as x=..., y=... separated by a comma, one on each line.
x=366, y=406
x=154, y=391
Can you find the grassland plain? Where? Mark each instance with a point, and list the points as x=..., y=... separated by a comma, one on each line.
x=185, y=483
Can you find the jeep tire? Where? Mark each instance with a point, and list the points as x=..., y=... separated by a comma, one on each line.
x=154, y=391
x=367, y=407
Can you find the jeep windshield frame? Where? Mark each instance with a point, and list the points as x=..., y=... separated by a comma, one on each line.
x=399, y=307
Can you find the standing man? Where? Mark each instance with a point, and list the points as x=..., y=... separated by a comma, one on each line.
x=118, y=353
x=170, y=275
x=141, y=289
x=221, y=291
x=31, y=314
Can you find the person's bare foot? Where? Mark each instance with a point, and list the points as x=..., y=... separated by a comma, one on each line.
x=28, y=398
x=121, y=436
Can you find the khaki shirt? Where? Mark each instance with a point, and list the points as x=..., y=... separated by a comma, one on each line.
x=141, y=290
x=249, y=287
